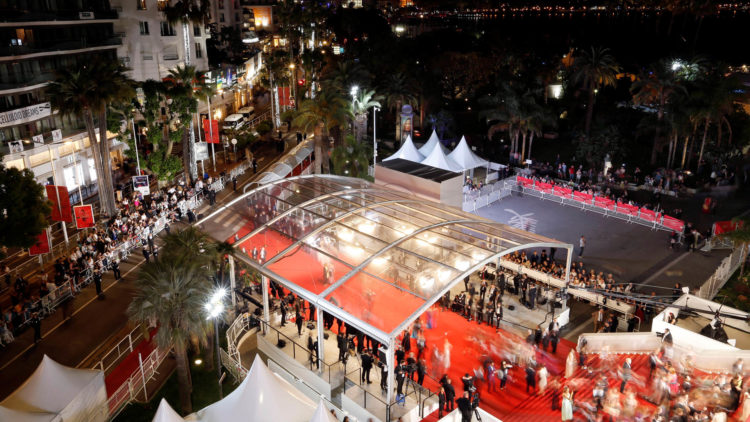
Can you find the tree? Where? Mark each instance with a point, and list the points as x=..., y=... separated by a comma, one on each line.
x=594, y=70
x=182, y=83
x=352, y=158
x=342, y=76
x=397, y=89
x=85, y=92
x=326, y=112
x=170, y=293
x=23, y=208
x=362, y=103
x=659, y=85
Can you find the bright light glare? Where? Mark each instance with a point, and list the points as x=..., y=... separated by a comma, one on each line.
x=346, y=235
x=426, y=282
x=676, y=65
x=367, y=227
x=198, y=361
x=478, y=256
x=215, y=306
x=354, y=250
x=407, y=230
x=443, y=275
x=354, y=90
x=462, y=264
x=380, y=261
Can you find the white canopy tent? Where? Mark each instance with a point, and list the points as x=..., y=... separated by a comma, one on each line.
x=465, y=157
x=431, y=143
x=407, y=152
x=56, y=392
x=437, y=158
x=261, y=397
x=165, y=413
x=322, y=414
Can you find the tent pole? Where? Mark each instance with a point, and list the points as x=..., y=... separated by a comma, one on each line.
x=266, y=315
x=390, y=361
x=321, y=335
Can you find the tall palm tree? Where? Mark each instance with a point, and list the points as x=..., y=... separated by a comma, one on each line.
x=170, y=293
x=181, y=83
x=352, y=159
x=505, y=107
x=322, y=114
x=341, y=76
x=397, y=89
x=657, y=86
x=362, y=103
x=594, y=69
x=86, y=92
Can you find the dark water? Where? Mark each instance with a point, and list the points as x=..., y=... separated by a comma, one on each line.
x=635, y=38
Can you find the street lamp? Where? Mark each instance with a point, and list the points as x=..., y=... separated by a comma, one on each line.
x=214, y=309
x=234, y=147
x=374, y=140
x=353, y=91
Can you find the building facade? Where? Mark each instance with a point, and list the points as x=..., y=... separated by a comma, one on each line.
x=38, y=38
x=150, y=45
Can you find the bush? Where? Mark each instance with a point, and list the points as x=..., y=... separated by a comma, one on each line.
x=265, y=127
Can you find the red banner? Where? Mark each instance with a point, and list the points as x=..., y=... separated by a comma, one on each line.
x=721, y=227
x=284, y=97
x=84, y=216
x=60, y=210
x=212, y=133
x=41, y=246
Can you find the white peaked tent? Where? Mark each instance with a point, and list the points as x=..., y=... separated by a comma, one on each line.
x=407, y=152
x=465, y=157
x=59, y=393
x=434, y=141
x=165, y=413
x=261, y=397
x=322, y=414
x=437, y=158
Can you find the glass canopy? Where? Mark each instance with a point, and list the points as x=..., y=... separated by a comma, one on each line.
x=379, y=255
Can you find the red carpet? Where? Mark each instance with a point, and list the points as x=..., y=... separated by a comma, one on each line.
x=129, y=365
x=386, y=306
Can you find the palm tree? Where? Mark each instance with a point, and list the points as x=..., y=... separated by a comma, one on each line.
x=364, y=101
x=352, y=158
x=397, y=90
x=505, y=107
x=326, y=112
x=659, y=85
x=181, y=83
x=86, y=92
x=185, y=12
x=594, y=70
x=169, y=293
x=341, y=76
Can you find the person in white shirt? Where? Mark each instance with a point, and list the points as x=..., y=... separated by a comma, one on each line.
x=581, y=246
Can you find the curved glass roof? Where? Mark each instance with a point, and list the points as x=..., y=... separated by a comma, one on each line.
x=346, y=244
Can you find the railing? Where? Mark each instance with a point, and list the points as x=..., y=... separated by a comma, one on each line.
x=123, y=348
x=710, y=288
x=136, y=382
x=488, y=194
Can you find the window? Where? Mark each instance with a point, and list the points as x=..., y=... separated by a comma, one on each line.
x=141, y=4
x=198, y=51
x=162, y=5
x=144, y=27
x=221, y=17
x=221, y=4
x=167, y=30
x=196, y=30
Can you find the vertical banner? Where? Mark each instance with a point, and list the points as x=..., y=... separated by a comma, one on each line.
x=84, y=216
x=284, y=96
x=211, y=138
x=407, y=123
x=42, y=244
x=140, y=184
x=61, y=210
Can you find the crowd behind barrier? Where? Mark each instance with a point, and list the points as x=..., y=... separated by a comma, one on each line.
x=101, y=249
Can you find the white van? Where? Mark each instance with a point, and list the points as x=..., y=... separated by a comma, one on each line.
x=246, y=111
x=233, y=122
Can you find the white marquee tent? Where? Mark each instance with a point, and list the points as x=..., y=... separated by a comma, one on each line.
x=407, y=152
x=322, y=414
x=165, y=413
x=431, y=143
x=465, y=157
x=262, y=396
x=437, y=158
x=55, y=392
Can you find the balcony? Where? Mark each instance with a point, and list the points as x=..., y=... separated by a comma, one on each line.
x=21, y=50
x=21, y=80
x=7, y=15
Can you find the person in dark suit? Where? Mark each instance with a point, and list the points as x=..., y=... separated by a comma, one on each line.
x=341, y=343
x=284, y=310
x=98, y=283
x=421, y=371
x=298, y=320
x=532, y=296
x=383, y=375
x=482, y=291
x=464, y=406
x=554, y=338
x=400, y=378
x=367, y=361
x=667, y=339
x=450, y=394
x=626, y=374
x=441, y=402
x=36, y=323
x=530, y=379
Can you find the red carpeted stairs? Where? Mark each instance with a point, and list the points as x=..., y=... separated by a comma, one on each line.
x=129, y=364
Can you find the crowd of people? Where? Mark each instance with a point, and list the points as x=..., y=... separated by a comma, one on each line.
x=99, y=250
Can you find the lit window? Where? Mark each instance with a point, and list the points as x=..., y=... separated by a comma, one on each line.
x=140, y=4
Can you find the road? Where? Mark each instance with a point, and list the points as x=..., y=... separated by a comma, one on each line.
x=94, y=321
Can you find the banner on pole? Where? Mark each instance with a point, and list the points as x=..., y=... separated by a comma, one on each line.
x=211, y=138
x=284, y=96
x=140, y=183
x=61, y=210
x=84, y=216
x=201, y=151
x=42, y=244
x=38, y=139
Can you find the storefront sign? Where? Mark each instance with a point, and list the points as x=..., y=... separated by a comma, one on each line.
x=25, y=115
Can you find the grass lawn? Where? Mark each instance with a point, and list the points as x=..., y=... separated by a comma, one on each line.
x=736, y=291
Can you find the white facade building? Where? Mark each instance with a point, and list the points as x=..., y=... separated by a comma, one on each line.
x=150, y=45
